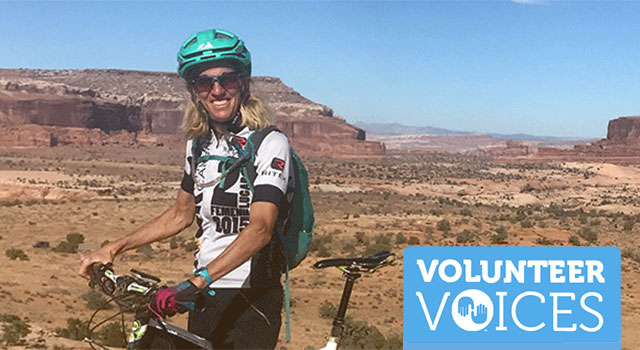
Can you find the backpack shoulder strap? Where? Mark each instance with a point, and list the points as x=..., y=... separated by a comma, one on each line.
x=256, y=138
x=253, y=143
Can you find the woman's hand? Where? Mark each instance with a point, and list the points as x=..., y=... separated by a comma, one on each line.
x=103, y=255
x=177, y=299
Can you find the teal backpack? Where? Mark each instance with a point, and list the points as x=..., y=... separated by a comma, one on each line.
x=296, y=233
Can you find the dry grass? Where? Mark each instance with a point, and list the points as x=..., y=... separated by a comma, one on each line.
x=361, y=206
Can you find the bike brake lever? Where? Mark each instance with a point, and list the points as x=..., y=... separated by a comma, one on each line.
x=145, y=276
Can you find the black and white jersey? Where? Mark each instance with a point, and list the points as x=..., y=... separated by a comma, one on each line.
x=222, y=210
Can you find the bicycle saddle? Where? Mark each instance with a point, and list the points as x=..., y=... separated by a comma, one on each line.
x=370, y=262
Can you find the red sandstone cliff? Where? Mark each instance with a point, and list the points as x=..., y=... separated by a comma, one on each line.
x=626, y=129
x=149, y=103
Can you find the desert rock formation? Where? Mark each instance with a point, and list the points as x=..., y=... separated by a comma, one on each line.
x=45, y=107
x=621, y=146
x=626, y=129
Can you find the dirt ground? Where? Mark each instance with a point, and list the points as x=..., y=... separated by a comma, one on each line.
x=361, y=206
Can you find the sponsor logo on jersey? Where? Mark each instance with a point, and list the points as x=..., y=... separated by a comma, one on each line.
x=277, y=164
x=239, y=140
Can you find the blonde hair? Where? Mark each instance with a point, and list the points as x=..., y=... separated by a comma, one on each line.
x=255, y=114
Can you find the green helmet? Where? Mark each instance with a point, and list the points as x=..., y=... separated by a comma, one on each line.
x=213, y=48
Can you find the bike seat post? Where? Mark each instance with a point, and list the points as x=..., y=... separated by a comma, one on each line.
x=338, y=321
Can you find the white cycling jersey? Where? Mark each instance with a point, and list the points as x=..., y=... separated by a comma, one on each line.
x=222, y=210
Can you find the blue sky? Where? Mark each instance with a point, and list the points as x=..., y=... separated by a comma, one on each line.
x=542, y=68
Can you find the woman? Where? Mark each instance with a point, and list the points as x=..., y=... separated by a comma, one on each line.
x=237, y=256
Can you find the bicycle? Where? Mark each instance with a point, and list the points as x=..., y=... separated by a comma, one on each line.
x=352, y=269
x=132, y=293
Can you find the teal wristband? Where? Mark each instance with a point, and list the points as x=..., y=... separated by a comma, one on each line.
x=204, y=273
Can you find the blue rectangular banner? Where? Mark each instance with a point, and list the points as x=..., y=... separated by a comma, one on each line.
x=504, y=297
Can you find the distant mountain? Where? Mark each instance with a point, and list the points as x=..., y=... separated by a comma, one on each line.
x=399, y=129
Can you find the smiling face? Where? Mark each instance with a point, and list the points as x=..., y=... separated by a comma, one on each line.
x=221, y=103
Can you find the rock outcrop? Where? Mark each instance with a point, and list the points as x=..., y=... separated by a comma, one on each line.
x=622, y=146
x=150, y=103
x=626, y=129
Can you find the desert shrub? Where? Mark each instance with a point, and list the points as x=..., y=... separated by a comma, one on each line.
x=146, y=251
x=323, y=252
x=75, y=238
x=413, y=241
x=544, y=241
x=361, y=238
x=360, y=335
x=401, y=238
x=173, y=243
x=348, y=248
x=70, y=244
x=66, y=247
x=95, y=299
x=500, y=236
x=526, y=223
x=574, y=240
x=588, y=234
x=631, y=254
x=13, y=329
x=628, y=225
x=111, y=335
x=382, y=239
x=466, y=212
x=443, y=225
x=376, y=247
x=327, y=310
x=435, y=212
x=190, y=245
x=527, y=188
x=465, y=236
x=104, y=243
x=14, y=253
x=76, y=330
x=319, y=245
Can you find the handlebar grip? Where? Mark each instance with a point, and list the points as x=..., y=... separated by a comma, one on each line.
x=98, y=272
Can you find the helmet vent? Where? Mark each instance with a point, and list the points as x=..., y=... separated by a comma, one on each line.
x=222, y=36
x=193, y=41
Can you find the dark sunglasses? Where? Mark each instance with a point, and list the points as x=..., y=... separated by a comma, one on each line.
x=228, y=81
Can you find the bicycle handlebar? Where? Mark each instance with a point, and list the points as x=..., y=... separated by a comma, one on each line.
x=130, y=292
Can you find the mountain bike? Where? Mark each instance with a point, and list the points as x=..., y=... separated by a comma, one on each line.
x=352, y=269
x=132, y=293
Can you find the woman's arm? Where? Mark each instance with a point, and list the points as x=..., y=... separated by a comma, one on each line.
x=175, y=219
x=250, y=240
